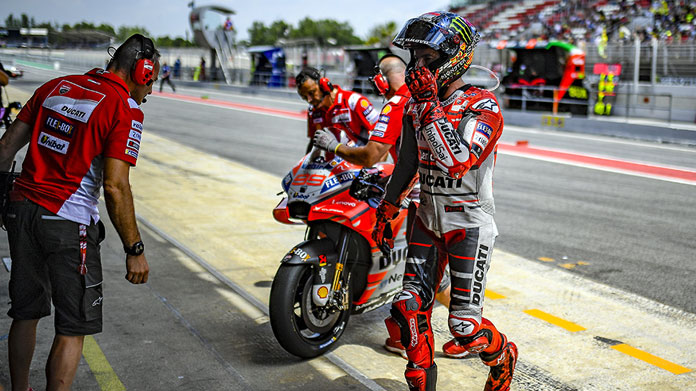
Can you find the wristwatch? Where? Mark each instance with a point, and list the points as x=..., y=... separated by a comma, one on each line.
x=136, y=249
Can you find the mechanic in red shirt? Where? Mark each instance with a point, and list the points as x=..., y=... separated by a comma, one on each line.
x=83, y=131
x=334, y=109
x=389, y=81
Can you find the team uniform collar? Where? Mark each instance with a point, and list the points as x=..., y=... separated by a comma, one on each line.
x=98, y=72
x=403, y=91
x=338, y=99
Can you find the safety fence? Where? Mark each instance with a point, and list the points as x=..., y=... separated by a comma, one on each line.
x=657, y=106
x=659, y=67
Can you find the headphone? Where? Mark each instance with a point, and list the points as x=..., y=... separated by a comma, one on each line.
x=325, y=86
x=379, y=81
x=143, y=68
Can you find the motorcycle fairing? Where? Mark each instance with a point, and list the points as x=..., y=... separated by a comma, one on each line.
x=321, y=253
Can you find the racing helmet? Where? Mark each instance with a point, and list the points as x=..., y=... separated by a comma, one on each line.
x=451, y=35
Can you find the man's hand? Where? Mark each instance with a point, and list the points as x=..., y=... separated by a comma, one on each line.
x=137, y=269
x=382, y=232
x=326, y=140
x=422, y=84
x=423, y=87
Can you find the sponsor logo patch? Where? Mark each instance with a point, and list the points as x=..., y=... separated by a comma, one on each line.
x=364, y=103
x=381, y=127
x=342, y=115
x=60, y=126
x=387, y=109
x=73, y=101
x=487, y=104
x=367, y=111
x=378, y=132
x=137, y=125
x=480, y=140
x=135, y=135
x=384, y=118
x=53, y=143
x=458, y=208
x=484, y=129
x=132, y=144
x=372, y=117
x=132, y=153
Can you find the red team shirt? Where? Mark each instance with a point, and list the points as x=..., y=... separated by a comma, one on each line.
x=77, y=121
x=388, y=128
x=351, y=113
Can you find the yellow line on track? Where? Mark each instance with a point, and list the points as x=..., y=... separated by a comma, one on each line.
x=650, y=359
x=493, y=295
x=105, y=375
x=554, y=320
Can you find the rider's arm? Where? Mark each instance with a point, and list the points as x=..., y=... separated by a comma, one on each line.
x=367, y=155
x=406, y=166
x=456, y=151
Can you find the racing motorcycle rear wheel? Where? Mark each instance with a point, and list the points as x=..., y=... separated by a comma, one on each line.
x=301, y=327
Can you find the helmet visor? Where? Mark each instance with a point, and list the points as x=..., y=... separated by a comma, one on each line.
x=418, y=32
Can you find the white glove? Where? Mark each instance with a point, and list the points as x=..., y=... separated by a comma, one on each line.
x=326, y=140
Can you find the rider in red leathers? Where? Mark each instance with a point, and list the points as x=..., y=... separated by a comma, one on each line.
x=450, y=132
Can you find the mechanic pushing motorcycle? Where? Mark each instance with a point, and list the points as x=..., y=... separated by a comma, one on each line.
x=333, y=109
x=450, y=132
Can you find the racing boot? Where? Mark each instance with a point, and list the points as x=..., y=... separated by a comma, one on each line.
x=453, y=349
x=393, y=342
x=420, y=379
x=395, y=347
x=502, y=366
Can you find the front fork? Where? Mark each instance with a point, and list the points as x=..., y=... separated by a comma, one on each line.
x=325, y=289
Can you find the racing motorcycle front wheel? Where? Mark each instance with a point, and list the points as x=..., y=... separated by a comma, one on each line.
x=301, y=327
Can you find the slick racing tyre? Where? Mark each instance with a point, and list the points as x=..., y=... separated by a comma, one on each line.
x=301, y=327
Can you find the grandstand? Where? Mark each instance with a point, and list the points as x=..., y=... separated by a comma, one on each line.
x=581, y=20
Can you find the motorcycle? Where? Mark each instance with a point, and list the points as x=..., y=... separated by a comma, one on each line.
x=338, y=270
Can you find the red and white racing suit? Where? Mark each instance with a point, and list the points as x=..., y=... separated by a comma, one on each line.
x=351, y=113
x=456, y=213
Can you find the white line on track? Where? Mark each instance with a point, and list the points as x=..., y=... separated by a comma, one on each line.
x=612, y=140
x=231, y=108
x=350, y=370
x=599, y=168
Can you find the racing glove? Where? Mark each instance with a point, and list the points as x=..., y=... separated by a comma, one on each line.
x=423, y=87
x=382, y=233
x=324, y=139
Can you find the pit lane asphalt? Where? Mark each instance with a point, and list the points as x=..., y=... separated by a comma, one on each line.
x=372, y=321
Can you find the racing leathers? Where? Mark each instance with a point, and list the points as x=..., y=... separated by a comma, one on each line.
x=451, y=145
x=350, y=112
